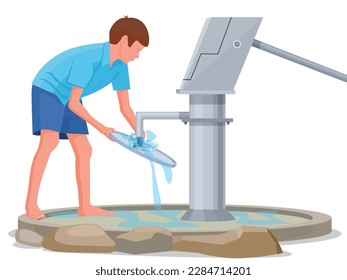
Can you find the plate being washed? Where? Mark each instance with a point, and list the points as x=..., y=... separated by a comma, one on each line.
x=151, y=154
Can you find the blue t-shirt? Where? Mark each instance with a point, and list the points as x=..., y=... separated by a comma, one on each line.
x=87, y=67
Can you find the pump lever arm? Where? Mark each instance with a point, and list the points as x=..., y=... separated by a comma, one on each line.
x=299, y=60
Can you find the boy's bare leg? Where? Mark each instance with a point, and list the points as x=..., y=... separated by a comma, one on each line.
x=48, y=142
x=83, y=152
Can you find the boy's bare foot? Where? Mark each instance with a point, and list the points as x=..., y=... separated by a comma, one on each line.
x=94, y=211
x=34, y=212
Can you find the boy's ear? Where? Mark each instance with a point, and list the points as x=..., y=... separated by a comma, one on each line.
x=124, y=41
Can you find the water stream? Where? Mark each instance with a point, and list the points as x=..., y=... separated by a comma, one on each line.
x=148, y=146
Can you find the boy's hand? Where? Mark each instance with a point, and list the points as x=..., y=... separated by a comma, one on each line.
x=106, y=131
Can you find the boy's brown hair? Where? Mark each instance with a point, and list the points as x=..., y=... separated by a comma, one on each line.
x=131, y=27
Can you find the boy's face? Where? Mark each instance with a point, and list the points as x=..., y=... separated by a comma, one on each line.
x=130, y=53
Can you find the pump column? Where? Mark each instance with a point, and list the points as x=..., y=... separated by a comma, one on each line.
x=207, y=159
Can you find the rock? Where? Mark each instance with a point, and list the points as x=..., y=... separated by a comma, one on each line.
x=79, y=238
x=241, y=242
x=29, y=237
x=142, y=240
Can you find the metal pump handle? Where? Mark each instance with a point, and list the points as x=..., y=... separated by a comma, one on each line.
x=299, y=60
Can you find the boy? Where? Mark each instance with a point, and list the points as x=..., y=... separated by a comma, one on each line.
x=58, y=112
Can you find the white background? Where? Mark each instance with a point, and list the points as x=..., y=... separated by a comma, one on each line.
x=286, y=147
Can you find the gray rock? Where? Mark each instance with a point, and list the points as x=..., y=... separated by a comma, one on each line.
x=79, y=238
x=29, y=237
x=241, y=242
x=142, y=240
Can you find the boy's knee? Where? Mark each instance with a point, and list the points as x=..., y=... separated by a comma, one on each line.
x=51, y=145
x=87, y=150
x=83, y=149
x=49, y=142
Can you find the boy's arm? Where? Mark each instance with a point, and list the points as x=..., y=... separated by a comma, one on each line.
x=125, y=108
x=76, y=107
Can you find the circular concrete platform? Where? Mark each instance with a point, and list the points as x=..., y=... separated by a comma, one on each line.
x=285, y=224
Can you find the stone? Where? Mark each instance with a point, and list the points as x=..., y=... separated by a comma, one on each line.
x=142, y=240
x=241, y=242
x=29, y=237
x=88, y=238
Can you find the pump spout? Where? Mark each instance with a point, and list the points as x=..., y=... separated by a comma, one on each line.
x=299, y=60
x=141, y=116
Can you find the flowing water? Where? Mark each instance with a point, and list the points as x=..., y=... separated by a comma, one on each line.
x=148, y=146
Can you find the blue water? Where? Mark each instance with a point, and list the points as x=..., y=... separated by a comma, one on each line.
x=132, y=220
x=173, y=221
x=244, y=219
x=168, y=173
x=64, y=214
x=144, y=145
x=156, y=194
x=147, y=147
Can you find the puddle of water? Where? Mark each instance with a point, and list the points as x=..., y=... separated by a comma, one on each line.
x=171, y=218
x=267, y=217
x=134, y=220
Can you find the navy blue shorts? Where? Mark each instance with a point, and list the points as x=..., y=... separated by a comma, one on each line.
x=49, y=113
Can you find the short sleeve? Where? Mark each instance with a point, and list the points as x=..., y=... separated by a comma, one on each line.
x=121, y=81
x=81, y=72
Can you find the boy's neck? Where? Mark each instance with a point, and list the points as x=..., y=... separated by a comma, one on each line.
x=114, y=53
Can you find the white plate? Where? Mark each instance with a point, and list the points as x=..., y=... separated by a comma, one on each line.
x=154, y=155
